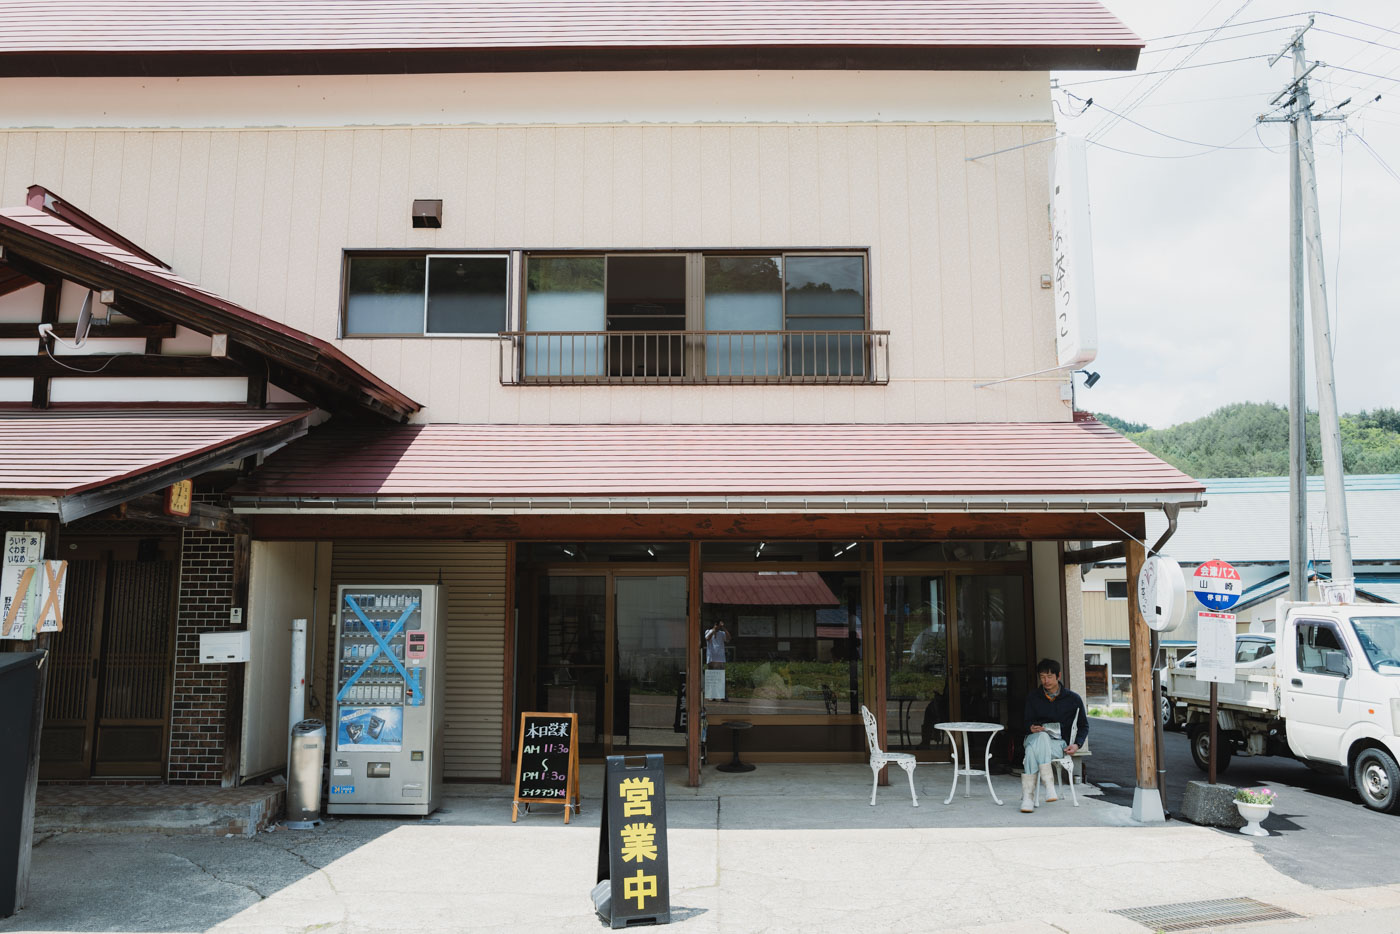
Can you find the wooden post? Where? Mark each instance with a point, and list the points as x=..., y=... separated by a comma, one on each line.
x=1145, y=712
x=508, y=667
x=694, y=668
x=875, y=649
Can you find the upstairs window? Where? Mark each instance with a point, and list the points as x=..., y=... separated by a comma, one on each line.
x=410, y=294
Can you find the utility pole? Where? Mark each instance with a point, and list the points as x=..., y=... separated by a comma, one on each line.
x=1306, y=238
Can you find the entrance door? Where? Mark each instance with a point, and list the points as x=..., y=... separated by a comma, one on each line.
x=108, y=700
x=611, y=648
x=992, y=652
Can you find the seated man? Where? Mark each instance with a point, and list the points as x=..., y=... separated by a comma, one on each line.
x=1052, y=713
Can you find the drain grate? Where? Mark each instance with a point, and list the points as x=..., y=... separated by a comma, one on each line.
x=1219, y=912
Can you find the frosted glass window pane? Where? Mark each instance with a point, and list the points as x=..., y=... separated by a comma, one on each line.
x=384, y=295
x=565, y=293
x=466, y=294
x=744, y=293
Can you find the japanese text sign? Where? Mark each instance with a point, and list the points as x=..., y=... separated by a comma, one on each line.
x=632, y=850
x=546, y=765
x=1215, y=647
x=1217, y=586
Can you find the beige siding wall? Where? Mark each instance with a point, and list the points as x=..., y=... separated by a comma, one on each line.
x=261, y=216
x=474, y=574
x=1104, y=618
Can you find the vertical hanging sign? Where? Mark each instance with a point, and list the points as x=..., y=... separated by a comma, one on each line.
x=21, y=584
x=1072, y=251
x=634, y=879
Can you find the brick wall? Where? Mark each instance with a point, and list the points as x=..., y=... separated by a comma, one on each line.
x=201, y=692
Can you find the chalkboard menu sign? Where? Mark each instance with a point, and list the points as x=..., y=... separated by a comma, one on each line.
x=546, y=764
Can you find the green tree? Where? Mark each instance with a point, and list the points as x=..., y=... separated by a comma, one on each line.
x=1250, y=439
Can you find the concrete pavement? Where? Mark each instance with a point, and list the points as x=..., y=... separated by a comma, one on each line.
x=785, y=848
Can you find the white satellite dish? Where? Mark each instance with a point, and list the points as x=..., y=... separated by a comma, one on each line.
x=80, y=330
x=80, y=333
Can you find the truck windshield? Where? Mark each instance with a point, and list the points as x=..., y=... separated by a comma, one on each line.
x=1380, y=639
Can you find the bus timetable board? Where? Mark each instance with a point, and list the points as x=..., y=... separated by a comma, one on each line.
x=546, y=763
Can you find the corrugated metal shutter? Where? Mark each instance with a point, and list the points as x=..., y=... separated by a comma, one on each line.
x=474, y=574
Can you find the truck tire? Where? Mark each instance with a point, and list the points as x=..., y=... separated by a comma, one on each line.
x=1377, y=780
x=1199, y=738
x=1168, y=709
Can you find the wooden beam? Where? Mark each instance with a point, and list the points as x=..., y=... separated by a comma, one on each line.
x=709, y=527
x=875, y=651
x=1145, y=710
x=48, y=314
x=203, y=516
x=694, y=667
x=10, y=330
x=123, y=365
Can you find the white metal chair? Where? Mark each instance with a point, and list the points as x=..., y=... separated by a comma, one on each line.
x=879, y=758
x=1066, y=765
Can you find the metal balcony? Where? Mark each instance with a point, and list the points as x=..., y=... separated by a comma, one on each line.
x=624, y=358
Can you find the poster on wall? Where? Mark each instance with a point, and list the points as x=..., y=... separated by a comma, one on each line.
x=21, y=584
x=379, y=728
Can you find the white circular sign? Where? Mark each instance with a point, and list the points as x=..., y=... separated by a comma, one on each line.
x=1161, y=593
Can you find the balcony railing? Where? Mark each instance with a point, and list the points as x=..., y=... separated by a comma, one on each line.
x=610, y=358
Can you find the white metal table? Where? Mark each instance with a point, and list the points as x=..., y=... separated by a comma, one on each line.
x=965, y=727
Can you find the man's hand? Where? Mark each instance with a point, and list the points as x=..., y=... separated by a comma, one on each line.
x=1071, y=749
x=1037, y=728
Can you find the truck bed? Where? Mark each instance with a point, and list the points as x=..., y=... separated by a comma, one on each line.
x=1255, y=689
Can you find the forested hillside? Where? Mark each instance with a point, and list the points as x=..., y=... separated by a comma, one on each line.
x=1250, y=439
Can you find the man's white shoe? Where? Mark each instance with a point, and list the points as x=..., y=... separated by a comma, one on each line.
x=1027, y=792
x=1048, y=777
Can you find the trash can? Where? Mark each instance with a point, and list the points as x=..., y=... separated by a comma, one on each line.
x=19, y=677
x=304, y=775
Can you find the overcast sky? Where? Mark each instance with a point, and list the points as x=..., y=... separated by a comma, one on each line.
x=1191, y=254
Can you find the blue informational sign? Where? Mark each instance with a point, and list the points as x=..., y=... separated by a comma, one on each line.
x=1217, y=586
x=370, y=728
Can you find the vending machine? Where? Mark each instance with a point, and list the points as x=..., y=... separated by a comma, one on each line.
x=386, y=747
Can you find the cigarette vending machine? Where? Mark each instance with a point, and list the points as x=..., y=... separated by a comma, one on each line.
x=386, y=752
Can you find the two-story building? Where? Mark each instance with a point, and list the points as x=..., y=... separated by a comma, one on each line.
x=619, y=320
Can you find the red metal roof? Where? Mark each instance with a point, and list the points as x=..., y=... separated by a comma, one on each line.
x=641, y=460
x=768, y=588
x=67, y=451
x=31, y=223
x=165, y=27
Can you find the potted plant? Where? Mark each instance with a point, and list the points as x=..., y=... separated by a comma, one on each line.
x=1254, y=804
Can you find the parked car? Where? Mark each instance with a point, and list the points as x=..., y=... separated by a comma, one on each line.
x=1252, y=650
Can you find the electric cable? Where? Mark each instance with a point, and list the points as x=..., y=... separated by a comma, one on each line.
x=1189, y=142
x=1144, y=74
x=78, y=369
x=1104, y=128
x=1377, y=156
x=1246, y=35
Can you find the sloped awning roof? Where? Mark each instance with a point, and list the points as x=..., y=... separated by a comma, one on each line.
x=1007, y=467
x=767, y=588
x=163, y=37
x=75, y=462
x=85, y=251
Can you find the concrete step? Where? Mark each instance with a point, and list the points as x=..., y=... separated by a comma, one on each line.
x=197, y=809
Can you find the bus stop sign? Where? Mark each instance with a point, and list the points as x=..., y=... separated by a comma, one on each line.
x=1217, y=586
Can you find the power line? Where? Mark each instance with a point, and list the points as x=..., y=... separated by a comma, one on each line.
x=1245, y=35
x=1164, y=71
x=1248, y=22
x=1368, y=74
x=1189, y=142
x=1103, y=128
x=1377, y=156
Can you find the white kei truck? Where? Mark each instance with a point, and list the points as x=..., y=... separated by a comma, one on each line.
x=1331, y=699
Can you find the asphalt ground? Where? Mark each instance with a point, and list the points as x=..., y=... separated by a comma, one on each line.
x=1319, y=832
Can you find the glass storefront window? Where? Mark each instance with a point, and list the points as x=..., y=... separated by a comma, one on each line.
x=777, y=552
x=991, y=646
x=787, y=642
x=916, y=660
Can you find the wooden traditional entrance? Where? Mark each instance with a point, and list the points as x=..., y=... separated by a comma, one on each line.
x=107, y=712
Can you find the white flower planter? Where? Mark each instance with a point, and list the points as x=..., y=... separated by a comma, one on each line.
x=1253, y=814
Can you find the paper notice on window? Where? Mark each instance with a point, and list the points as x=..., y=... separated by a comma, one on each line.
x=1215, y=647
x=714, y=684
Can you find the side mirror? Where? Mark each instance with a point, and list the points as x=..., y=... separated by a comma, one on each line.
x=1338, y=663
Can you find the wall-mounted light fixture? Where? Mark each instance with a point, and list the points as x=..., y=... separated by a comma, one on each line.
x=427, y=212
x=1089, y=378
